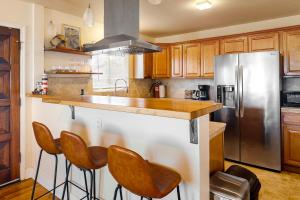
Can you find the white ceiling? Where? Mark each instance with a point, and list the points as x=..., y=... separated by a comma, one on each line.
x=180, y=16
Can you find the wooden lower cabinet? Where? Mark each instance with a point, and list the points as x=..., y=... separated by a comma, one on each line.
x=291, y=141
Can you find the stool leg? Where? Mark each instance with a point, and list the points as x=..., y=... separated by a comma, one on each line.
x=116, y=193
x=36, y=174
x=66, y=182
x=142, y=198
x=55, y=175
x=121, y=194
x=86, y=185
x=178, y=192
x=94, y=175
x=92, y=181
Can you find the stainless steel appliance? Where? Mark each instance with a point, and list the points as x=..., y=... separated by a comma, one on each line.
x=249, y=86
x=203, y=92
x=121, y=30
x=291, y=98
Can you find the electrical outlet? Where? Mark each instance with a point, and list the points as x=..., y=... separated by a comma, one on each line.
x=99, y=124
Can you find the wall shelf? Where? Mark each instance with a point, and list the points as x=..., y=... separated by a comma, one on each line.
x=69, y=51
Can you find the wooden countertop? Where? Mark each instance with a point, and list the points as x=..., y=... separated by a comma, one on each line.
x=216, y=128
x=290, y=110
x=172, y=108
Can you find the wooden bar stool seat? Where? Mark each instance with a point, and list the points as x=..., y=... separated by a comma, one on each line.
x=139, y=176
x=84, y=157
x=51, y=146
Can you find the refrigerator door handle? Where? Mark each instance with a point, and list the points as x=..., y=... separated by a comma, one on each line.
x=236, y=92
x=241, y=90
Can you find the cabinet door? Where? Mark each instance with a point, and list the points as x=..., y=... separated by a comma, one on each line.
x=148, y=65
x=209, y=49
x=291, y=137
x=234, y=45
x=291, y=51
x=264, y=42
x=177, y=65
x=191, y=60
x=161, y=63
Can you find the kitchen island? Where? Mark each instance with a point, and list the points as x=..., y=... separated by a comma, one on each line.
x=172, y=132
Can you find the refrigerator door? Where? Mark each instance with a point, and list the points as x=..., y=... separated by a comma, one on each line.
x=260, y=109
x=226, y=71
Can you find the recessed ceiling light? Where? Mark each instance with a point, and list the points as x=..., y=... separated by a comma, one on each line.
x=203, y=5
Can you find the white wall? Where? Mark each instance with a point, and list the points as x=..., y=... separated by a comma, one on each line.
x=229, y=30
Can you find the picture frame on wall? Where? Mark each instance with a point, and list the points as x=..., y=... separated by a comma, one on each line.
x=72, y=35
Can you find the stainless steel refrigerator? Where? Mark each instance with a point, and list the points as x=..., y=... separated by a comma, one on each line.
x=249, y=86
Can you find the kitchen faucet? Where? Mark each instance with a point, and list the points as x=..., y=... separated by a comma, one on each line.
x=124, y=82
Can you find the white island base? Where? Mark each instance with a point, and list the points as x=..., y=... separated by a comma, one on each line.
x=158, y=139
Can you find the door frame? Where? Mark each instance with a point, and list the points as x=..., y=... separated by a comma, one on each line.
x=23, y=173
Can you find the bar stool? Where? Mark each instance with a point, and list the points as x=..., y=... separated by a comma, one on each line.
x=145, y=179
x=85, y=158
x=50, y=145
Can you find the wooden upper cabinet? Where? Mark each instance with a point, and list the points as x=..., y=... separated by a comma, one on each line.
x=191, y=60
x=161, y=63
x=140, y=66
x=291, y=137
x=177, y=62
x=264, y=42
x=234, y=45
x=209, y=49
x=291, y=51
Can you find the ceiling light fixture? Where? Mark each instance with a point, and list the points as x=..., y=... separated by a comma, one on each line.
x=155, y=2
x=88, y=17
x=203, y=5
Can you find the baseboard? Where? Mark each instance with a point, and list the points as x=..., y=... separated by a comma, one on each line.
x=291, y=169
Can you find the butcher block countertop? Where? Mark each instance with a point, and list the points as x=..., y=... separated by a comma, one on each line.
x=172, y=108
x=216, y=128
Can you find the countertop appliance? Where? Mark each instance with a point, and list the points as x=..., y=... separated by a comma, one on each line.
x=291, y=98
x=249, y=85
x=203, y=92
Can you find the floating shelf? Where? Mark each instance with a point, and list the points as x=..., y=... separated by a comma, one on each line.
x=72, y=74
x=69, y=51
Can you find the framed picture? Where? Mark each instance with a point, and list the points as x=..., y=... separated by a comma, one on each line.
x=72, y=36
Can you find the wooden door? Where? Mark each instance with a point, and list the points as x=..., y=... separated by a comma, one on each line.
x=9, y=105
x=148, y=65
x=191, y=60
x=176, y=57
x=264, y=42
x=209, y=49
x=161, y=63
x=234, y=45
x=291, y=139
x=291, y=51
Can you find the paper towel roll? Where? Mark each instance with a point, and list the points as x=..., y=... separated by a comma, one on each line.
x=162, y=91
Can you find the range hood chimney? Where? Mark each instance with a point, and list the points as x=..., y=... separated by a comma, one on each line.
x=121, y=30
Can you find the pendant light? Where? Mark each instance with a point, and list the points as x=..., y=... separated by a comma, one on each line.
x=88, y=17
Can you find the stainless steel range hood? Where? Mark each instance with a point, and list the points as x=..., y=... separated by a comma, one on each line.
x=121, y=30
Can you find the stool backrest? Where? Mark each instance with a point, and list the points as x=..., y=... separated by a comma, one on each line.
x=44, y=138
x=131, y=171
x=76, y=150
